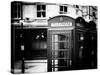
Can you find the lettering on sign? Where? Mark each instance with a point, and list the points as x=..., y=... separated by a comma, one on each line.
x=61, y=24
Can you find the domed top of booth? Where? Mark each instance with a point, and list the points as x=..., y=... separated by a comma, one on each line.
x=92, y=25
x=61, y=21
x=80, y=22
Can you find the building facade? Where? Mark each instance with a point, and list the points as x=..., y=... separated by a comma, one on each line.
x=55, y=33
x=38, y=13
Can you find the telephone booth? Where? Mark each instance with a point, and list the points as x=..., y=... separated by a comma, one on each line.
x=70, y=44
x=85, y=44
x=82, y=46
x=60, y=43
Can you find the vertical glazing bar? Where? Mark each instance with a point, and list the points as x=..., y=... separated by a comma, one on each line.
x=54, y=60
x=53, y=51
x=70, y=49
x=22, y=49
x=54, y=54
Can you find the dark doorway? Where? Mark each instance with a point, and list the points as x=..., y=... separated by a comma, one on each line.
x=35, y=44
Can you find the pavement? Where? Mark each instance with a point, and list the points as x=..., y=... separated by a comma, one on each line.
x=31, y=66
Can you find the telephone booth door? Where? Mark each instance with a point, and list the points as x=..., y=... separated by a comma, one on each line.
x=61, y=50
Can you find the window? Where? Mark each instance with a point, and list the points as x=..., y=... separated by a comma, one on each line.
x=41, y=11
x=63, y=9
x=16, y=10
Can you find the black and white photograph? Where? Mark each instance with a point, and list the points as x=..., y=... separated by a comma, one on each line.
x=52, y=37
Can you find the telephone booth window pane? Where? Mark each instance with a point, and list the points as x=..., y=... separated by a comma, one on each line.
x=61, y=54
x=63, y=45
x=61, y=37
x=60, y=42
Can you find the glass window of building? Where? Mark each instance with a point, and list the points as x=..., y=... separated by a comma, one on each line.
x=41, y=10
x=63, y=9
x=16, y=10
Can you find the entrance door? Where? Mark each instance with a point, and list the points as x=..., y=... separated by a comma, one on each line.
x=35, y=50
x=61, y=51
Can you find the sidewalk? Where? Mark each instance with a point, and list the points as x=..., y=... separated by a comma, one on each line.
x=31, y=66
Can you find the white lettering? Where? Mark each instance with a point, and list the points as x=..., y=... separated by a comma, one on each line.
x=61, y=24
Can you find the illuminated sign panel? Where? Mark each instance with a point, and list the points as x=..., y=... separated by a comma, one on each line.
x=61, y=24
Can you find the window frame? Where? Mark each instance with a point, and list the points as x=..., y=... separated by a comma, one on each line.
x=64, y=9
x=41, y=11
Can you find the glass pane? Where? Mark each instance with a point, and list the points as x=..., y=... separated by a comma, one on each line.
x=65, y=63
x=38, y=14
x=65, y=9
x=15, y=11
x=54, y=62
x=54, y=46
x=62, y=45
x=19, y=10
x=63, y=54
x=55, y=38
x=43, y=7
x=61, y=8
x=54, y=54
x=60, y=42
x=61, y=63
x=61, y=37
x=54, y=69
x=43, y=14
x=38, y=7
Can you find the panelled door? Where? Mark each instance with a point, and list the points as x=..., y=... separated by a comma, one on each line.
x=61, y=50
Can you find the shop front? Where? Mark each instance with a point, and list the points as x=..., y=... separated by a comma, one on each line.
x=63, y=45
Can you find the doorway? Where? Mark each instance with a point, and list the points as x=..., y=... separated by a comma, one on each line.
x=35, y=50
x=60, y=58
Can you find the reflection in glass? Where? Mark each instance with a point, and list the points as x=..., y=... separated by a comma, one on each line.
x=59, y=42
x=61, y=52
